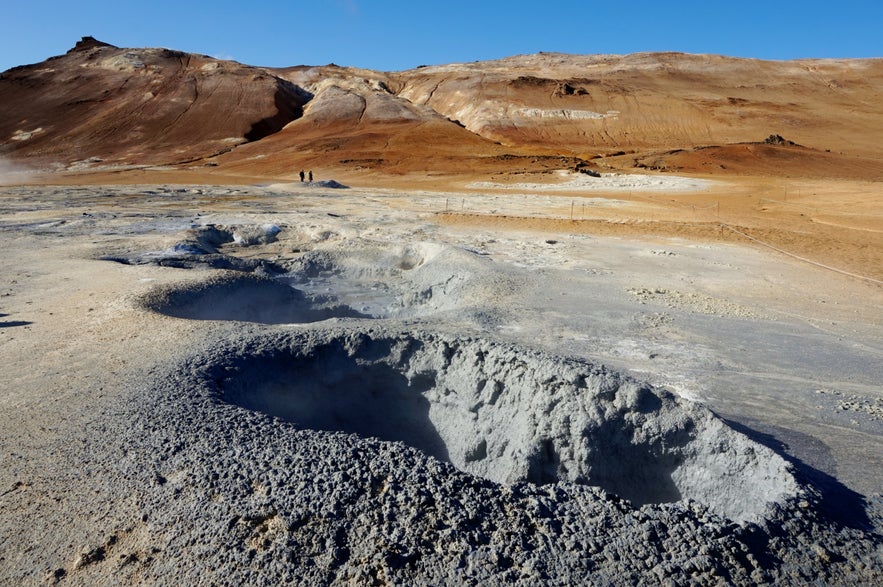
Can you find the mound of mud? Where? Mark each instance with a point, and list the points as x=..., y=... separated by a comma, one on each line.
x=202, y=246
x=511, y=416
x=328, y=183
x=302, y=455
x=382, y=281
x=369, y=281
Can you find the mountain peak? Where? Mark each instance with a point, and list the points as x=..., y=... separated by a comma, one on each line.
x=87, y=43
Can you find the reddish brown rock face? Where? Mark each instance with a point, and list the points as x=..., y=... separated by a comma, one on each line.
x=662, y=111
x=137, y=106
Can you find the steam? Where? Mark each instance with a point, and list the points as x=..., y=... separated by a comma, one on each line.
x=14, y=173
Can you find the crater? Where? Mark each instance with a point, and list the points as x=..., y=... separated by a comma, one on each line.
x=369, y=282
x=507, y=414
x=245, y=298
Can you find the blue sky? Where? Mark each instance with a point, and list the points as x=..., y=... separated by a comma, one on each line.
x=389, y=35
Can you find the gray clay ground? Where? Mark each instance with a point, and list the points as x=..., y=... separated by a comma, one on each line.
x=264, y=385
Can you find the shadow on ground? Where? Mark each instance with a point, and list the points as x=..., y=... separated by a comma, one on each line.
x=839, y=503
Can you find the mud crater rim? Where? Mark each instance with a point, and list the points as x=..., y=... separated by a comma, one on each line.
x=249, y=298
x=319, y=287
x=510, y=415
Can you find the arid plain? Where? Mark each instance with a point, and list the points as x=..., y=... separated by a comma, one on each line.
x=178, y=307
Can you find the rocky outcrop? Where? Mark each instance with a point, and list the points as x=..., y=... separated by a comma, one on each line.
x=778, y=140
x=88, y=43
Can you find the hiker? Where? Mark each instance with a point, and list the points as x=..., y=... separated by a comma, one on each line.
x=301, y=175
x=311, y=176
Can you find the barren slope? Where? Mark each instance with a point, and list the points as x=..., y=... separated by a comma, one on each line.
x=127, y=106
x=602, y=104
x=354, y=121
x=660, y=111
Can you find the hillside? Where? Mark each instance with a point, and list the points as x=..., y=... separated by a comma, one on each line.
x=103, y=107
x=138, y=106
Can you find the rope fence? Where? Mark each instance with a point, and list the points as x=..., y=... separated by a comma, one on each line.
x=791, y=204
x=804, y=259
x=578, y=211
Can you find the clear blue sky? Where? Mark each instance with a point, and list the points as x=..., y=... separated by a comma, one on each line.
x=389, y=35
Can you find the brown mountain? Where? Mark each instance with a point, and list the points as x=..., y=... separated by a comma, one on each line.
x=139, y=106
x=103, y=106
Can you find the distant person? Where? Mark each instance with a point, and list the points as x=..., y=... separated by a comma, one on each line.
x=311, y=176
x=301, y=175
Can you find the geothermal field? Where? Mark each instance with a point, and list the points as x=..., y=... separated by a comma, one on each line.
x=546, y=320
